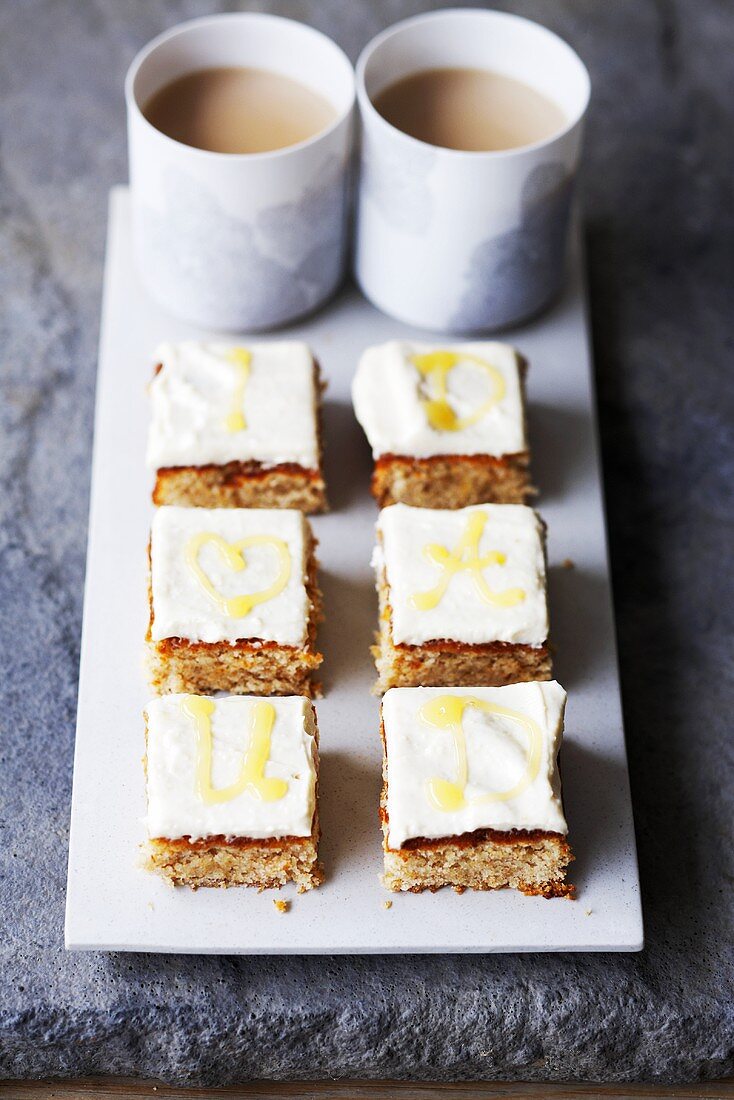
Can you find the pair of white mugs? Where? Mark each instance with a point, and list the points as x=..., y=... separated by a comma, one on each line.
x=446, y=240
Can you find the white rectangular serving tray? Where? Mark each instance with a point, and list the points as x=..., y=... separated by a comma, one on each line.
x=112, y=903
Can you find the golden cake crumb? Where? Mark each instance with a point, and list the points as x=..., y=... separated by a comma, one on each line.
x=451, y=481
x=264, y=865
x=387, y=905
x=241, y=485
x=588, y=912
x=281, y=906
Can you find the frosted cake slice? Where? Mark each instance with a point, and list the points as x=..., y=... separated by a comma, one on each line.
x=471, y=790
x=232, y=791
x=446, y=423
x=462, y=596
x=234, y=601
x=236, y=426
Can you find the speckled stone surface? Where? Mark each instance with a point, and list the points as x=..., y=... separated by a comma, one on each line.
x=657, y=186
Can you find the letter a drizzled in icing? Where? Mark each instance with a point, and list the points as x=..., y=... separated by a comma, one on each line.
x=436, y=366
x=465, y=557
x=252, y=778
x=236, y=607
x=241, y=359
x=446, y=712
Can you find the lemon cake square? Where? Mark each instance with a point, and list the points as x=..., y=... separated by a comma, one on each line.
x=471, y=790
x=446, y=423
x=462, y=596
x=236, y=426
x=232, y=791
x=234, y=601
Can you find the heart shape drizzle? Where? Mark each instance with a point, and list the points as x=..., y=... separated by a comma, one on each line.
x=233, y=556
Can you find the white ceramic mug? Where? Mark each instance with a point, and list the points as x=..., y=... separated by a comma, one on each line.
x=241, y=241
x=466, y=241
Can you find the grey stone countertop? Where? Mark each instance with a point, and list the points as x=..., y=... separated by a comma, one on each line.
x=660, y=225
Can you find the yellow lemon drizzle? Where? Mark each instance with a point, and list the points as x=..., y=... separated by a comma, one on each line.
x=232, y=554
x=446, y=712
x=436, y=366
x=465, y=557
x=252, y=774
x=241, y=359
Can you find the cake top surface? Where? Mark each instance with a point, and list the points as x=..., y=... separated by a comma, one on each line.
x=460, y=759
x=215, y=403
x=237, y=766
x=227, y=574
x=473, y=575
x=423, y=400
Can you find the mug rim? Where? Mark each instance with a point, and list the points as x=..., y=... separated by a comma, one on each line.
x=147, y=51
x=367, y=106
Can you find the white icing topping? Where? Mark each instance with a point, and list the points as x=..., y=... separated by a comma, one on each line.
x=389, y=395
x=183, y=608
x=193, y=395
x=462, y=614
x=174, y=806
x=498, y=752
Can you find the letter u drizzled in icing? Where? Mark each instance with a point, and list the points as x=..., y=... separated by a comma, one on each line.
x=465, y=558
x=241, y=359
x=252, y=778
x=435, y=367
x=446, y=712
x=232, y=554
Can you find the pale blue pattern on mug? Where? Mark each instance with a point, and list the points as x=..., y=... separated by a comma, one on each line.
x=396, y=179
x=244, y=275
x=517, y=273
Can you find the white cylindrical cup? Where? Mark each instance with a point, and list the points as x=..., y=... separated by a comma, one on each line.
x=466, y=241
x=251, y=240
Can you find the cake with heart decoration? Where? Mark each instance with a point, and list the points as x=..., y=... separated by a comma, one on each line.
x=234, y=601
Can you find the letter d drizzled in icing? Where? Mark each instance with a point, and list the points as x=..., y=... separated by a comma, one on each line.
x=446, y=712
x=436, y=366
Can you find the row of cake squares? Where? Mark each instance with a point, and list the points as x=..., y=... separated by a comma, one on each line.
x=241, y=427
x=234, y=606
x=235, y=603
x=236, y=426
x=471, y=788
x=470, y=798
